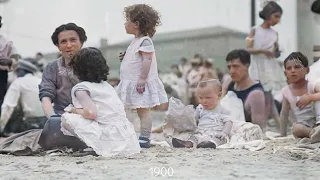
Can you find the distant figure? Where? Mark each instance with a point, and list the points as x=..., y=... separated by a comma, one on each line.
x=184, y=67
x=193, y=78
x=6, y=50
x=13, y=74
x=41, y=62
x=207, y=70
x=22, y=92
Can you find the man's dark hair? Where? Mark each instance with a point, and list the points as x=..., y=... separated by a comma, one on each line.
x=241, y=54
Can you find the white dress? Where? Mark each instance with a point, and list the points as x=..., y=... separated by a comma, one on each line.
x=264, y=69
x=129, y=75
x=111, y=133
x=314, y=75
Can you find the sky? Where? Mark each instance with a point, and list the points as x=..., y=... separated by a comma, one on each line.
x=30, y=23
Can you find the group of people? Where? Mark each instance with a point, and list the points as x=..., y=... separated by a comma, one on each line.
x=80, y=109
x=258, y=80
x=183, y=79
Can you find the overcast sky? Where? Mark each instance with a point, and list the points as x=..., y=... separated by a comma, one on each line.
x=30, y=23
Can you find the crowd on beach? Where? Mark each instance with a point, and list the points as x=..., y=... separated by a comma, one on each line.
x=70, y=103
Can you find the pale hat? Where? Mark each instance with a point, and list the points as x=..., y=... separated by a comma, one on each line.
x=26, y=65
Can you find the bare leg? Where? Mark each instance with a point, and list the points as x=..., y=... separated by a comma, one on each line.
x=271, y=108
x=145, y=122
x=301, y=131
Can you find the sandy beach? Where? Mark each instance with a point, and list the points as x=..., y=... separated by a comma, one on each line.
x=272, y=162
x=185, y=163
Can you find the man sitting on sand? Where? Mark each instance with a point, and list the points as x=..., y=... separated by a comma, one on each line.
x=249, y=91
x=214, y=122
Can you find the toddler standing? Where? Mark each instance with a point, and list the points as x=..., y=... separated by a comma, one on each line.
x=140, y=87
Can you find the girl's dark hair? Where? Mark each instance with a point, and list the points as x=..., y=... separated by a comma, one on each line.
x=145, y=15
x=70, y=26
x=271, y=8
x=299, y=57
x=90, y=65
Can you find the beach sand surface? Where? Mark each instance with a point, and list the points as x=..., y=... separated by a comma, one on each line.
x=272, y=162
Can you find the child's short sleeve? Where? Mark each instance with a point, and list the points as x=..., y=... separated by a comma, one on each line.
x=81, y=87
x=146, y=45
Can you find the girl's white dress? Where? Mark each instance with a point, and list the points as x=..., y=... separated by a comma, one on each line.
x=264, y=69
x=129, y=75
x=111, y=133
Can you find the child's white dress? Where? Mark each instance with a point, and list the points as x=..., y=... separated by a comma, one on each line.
x=130, y=71
x=264, y=69
x=111, y=133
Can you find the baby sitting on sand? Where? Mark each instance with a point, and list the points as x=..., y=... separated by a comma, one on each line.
x=214, y=122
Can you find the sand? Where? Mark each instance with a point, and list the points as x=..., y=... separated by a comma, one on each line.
x=273, y=162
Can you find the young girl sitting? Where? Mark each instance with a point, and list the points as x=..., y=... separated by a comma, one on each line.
x=297, y=97
x=214, y=122
x=98, y=117
x=140, y=87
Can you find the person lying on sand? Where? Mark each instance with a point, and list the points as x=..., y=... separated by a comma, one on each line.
x=297, y=97
x=214, y=122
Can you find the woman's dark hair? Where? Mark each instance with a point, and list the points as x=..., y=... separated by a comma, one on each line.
x=145, y=15
x=90, y=65
x=271, y=8
x=299, y=57
x=70, y=26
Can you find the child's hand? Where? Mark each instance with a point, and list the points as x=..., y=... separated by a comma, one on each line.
x=303, y=101
x=121, y=55
x=141, y=85
x=222, y=136
x=269, y=54
x=69, y=108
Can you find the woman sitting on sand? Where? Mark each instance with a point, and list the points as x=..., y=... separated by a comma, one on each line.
x=56, y=84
